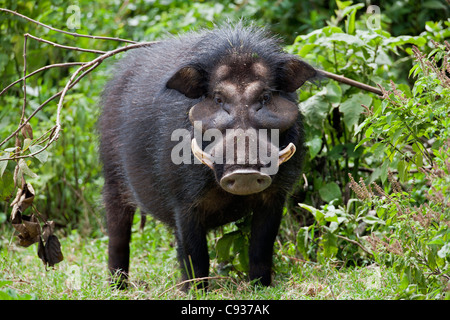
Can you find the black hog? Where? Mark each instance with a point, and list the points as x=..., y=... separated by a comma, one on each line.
x=233, y=84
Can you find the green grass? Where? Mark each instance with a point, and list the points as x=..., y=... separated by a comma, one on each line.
x=155, y=274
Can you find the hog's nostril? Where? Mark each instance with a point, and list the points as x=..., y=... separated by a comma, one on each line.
x=260, y=181
x=230, y=183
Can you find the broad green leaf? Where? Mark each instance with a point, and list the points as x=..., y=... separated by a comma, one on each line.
x=431, y=259
x=362, y=142
x=413, y=69
x=384, y=170
x=302, y=241
x=380, y=172
x=224, y=244
x=318, y=215
x=343, y=4
x=334, y=92
x=306, y=49
x=330, y=192
x=434, y=4
x=240, y=249
x=402, y=168
x=336, y=153
x=352, y=109
x=397, y=134
x=401, y=40
x=315, y=110
x=404, y=282
x=41, y=156
x=350, y=22
x=329, y=243
x=445, y=251
x=333, y=226
x=373, y=219
x=26, y=143
x=3, y=165
x=315, y=144
x=331, y=216
x=6, y=185
x=244, y=260
x=24, y=167
x=344, y=38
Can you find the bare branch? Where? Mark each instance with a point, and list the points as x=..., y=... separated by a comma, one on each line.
x=351, y=82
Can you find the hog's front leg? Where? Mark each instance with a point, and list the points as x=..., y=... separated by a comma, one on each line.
x=192, y=249
x=265, y=224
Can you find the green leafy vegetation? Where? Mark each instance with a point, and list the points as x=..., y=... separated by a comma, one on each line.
x=399, y=140
x=368, y=219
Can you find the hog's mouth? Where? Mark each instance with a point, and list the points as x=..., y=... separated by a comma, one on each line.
x=243, y=180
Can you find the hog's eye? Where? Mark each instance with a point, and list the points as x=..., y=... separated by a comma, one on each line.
x=218, y=101
x=265, y=98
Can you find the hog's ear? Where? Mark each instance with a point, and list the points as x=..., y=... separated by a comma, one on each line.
x=294, y=74
x=190, y=81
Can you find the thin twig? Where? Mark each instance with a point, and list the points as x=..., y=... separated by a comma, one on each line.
x=196, y=279
x=65, y=32
x=24, y=78
x=62, y=46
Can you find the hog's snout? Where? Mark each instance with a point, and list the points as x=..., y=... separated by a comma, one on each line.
x=245, y=181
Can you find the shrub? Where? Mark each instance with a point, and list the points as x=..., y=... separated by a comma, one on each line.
x=412, y=130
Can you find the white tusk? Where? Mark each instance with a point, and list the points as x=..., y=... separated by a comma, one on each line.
x=285, y=154
x=201, y=155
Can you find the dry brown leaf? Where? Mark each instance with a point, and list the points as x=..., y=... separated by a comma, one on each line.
x=27, y=131
x=28, y=227
x=49, y=247
x=50, y=252
x=24, y=199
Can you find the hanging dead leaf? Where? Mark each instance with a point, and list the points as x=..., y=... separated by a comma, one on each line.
x=16, y=176
x=49, y=247
x=41, y=251
x=50, y=252
x=53, y=251
x=24, y=199
x=28, y=227
x=47, y=230
x=27, y=131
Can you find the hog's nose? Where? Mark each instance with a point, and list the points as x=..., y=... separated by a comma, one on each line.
x=245, y=181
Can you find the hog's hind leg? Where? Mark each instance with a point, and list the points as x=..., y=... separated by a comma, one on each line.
x=119, y=219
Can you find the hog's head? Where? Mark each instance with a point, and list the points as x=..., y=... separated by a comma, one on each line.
x=246, y=104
